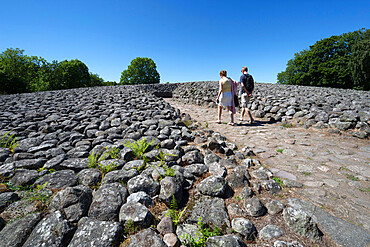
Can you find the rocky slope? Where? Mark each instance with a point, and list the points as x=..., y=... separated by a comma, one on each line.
x=78, y=178
x=337, y=109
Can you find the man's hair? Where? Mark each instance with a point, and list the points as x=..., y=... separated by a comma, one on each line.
x=223, y=73
x=245, y=69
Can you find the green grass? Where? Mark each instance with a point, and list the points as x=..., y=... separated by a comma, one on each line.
x=139, y=147
x=352, y=177
x=307, y=173
x=201, y=235
x=287, y=125
x=344, y=168
x=174, y=213
x=9, y=141
x=280, y=150
x=365, y=190
x=279, y=181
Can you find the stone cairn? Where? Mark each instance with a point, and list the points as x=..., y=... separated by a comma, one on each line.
x=74, y=180
x=339, y=110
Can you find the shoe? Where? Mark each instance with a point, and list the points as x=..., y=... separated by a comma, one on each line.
x=232, y=124
x=218, y=121
x=240, y=119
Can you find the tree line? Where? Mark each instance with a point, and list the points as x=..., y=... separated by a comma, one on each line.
x=20, y=73
x=339, y=61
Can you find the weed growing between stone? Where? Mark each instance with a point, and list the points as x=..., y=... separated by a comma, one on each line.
x=9, y=141
x=279, y=181
x=139, y=147
x=201, y=236
x=174, y=213
x=280, y=150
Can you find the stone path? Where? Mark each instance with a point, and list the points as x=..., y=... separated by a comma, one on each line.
x=334, y=169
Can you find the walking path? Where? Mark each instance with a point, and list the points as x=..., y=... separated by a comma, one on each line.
x=334, y=169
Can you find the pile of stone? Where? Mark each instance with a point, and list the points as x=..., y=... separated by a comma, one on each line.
x=73, y=180
x=318, y=107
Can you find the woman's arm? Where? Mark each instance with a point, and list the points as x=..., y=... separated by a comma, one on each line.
x=219, y=90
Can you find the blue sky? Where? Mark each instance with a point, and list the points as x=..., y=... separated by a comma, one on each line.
x=188, y=40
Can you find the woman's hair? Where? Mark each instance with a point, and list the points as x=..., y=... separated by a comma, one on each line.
x=223, y=73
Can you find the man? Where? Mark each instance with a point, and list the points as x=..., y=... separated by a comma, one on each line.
x=247, y=83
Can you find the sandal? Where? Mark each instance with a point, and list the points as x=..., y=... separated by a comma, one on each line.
x=240, y=119
x=218, y=121
x=232, y=124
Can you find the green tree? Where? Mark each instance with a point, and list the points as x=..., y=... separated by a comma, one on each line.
x=71, y=74
x=360, y=63
x=142, y=70
x=326, y=63
x=14, y=71
x=96, y=80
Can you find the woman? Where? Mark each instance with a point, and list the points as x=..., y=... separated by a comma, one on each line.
x=225, y=97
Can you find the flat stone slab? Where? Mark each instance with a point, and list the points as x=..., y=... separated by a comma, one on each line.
x=341, y=231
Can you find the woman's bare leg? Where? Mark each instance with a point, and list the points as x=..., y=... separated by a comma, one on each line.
x=219, y=114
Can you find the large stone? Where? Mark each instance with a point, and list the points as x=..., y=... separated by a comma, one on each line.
x=225, y=240
x=54, y=230
x=193, y=157
x=244, y=227
x=121, y=176
x=341, y=231
x=213, y=186
x=145, y=238
x=15, y=234
x=90, y=177
x=136, y=213
x=58, y=180
x=92, y=232
x=213, y=212
x=6, y=199
x=301, y=223
x=143, y=183
x=170, y=187
x=271, y=231
x=254, y=207
x=107, y=202
x=24, y=177
x=73, y=202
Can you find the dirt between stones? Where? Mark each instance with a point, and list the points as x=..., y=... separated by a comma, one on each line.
x=334, y=169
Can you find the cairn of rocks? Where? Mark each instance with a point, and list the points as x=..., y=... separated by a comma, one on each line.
x=73, y=179
x=340, y=110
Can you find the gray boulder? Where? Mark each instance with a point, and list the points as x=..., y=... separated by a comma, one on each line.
x=193, y=157
x=271, y=231
x=237, y=178
x=213, y=213
x=54, y=230
x=90, y=177
x=142, y=198
x=213, y=186
x=23, y=177
x=107, y=202
x=30, y=163
x=244, y=227
x=274, y=207
x=73, y=202
x=254, y=207
x=170, y=187
x=92, y=232
x=196, y=169
x=121, y=176
x=143, y=183
x=15, y=234
x=58, y=180
x=300, y=222
x=6, y=199
x=225, y=240
x=137, y=213
x=145, y=238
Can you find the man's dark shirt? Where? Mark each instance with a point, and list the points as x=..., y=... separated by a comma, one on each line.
x=244, y=80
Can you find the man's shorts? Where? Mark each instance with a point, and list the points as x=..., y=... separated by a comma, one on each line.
x=244, y=100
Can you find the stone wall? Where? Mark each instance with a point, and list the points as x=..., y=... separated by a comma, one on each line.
x=337, y=109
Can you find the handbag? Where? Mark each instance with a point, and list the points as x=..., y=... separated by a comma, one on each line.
x=236, y=101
